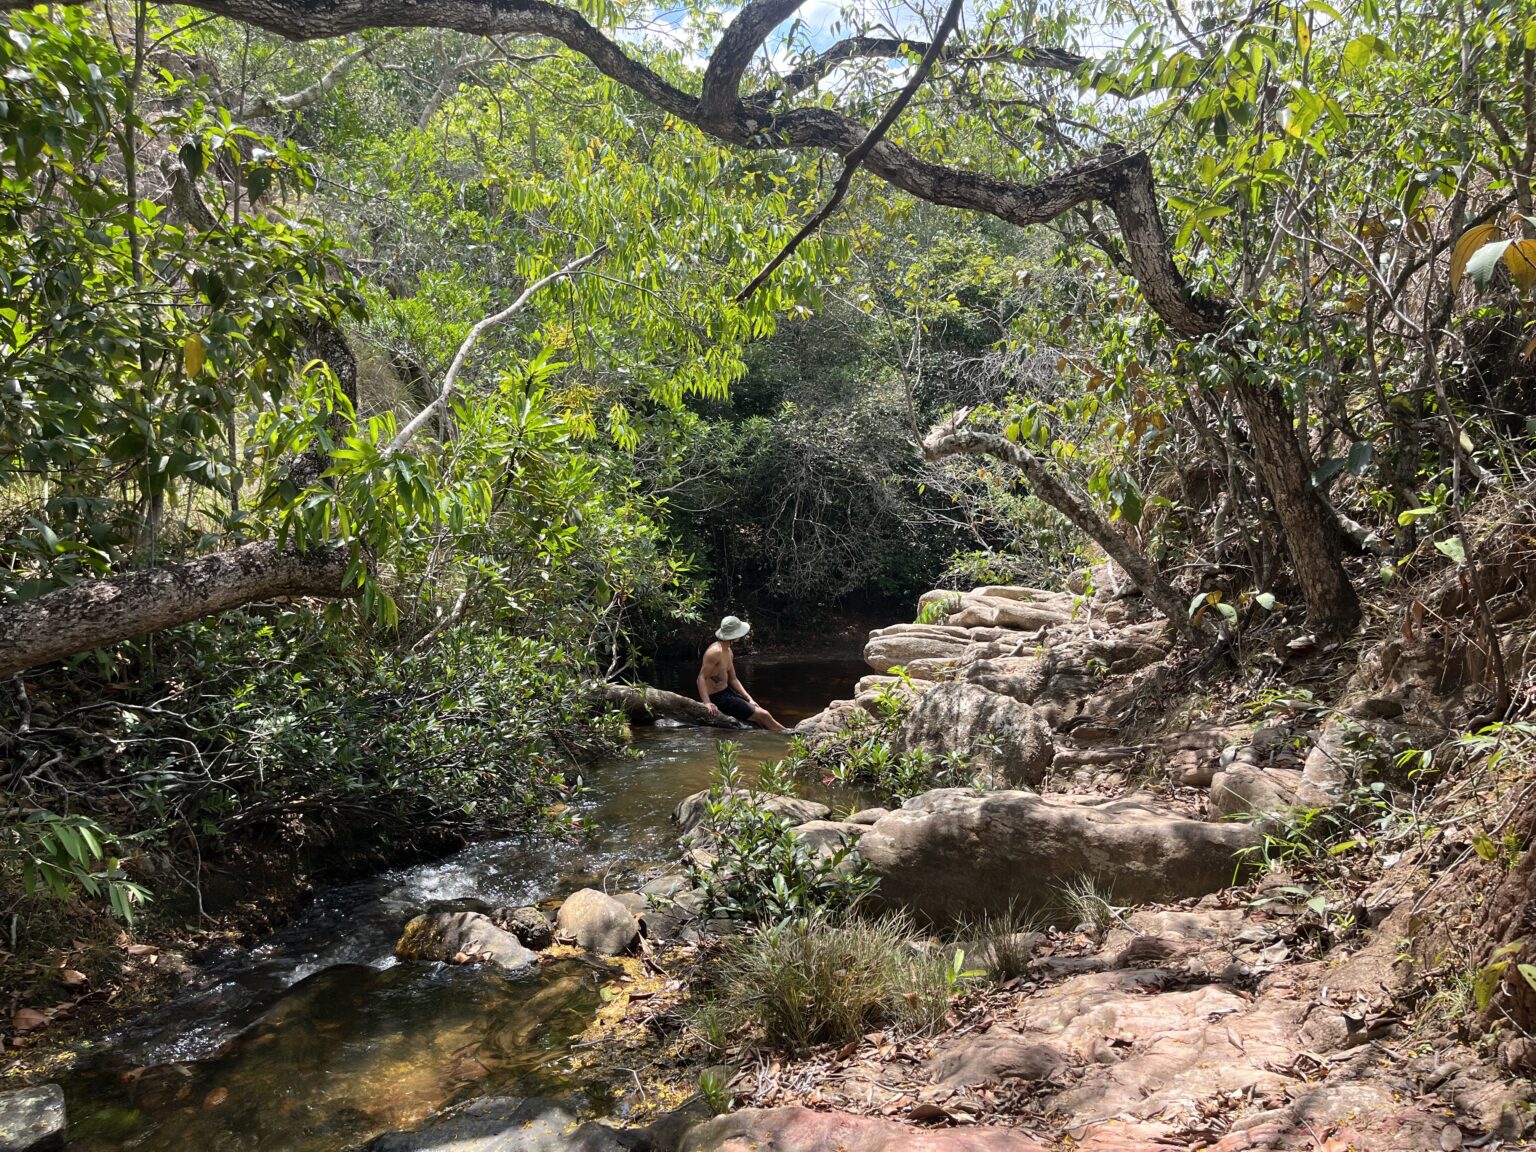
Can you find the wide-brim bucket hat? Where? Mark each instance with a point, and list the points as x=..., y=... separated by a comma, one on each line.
x=732, y=629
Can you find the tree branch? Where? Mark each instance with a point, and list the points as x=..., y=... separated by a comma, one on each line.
x=403, y=437
x=101, y=612
x=304, y=97
x=814, y=70
x=1121, y=180
x=856, y=157
x=733, y=54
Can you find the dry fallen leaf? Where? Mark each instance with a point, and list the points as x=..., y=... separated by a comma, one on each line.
x=26, y=1019
x=73, y=978
x=926, y=1112
x=142, y=949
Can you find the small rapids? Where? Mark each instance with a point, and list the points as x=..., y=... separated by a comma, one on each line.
x=318, y=1039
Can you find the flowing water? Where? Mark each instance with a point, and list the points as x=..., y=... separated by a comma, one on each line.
x=317, y=1039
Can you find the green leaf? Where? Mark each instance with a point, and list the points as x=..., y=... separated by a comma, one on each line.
x=1265, y=600
x=1327, y=470
x=1453, y=548
x=1409, y=515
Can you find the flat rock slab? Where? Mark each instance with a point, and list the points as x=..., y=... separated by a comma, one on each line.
x=901, y=644
x=954, y=852
x=502, y=1124
x=994, y=1058
x=32, y=1119
x=801, y=1130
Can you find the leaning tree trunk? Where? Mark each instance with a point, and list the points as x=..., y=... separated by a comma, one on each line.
x=1313, y=536
x=952, y=440
x=101, y=612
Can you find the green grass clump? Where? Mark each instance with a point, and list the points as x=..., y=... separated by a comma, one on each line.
x=811, y=981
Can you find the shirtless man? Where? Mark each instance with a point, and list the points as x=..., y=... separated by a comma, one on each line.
x=718, y=687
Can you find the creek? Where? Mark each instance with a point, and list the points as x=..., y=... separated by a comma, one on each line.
x=317, y=1039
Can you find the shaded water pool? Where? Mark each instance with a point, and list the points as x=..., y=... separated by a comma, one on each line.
x=316, y=1040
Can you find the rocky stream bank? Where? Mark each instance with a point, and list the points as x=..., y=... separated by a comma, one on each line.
x=1288, y=850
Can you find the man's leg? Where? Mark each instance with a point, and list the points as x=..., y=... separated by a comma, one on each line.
x=764, y=719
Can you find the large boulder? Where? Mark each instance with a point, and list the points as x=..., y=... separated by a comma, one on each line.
x=1243, y=791
x=32, y=1119
x=953, y=852
x=984, y=608
x=838, y=716
x=597, y=922
x=798, y=1129
x=827, y=837
x=691, y=812
x=903, y=644
x=1001, y=736
x=1021, y=677
x=460, y=938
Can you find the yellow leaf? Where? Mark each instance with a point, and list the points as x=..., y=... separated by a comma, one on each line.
x=193, y=354
x=1471, y=240
x=1303, y=34
x=1529, y=348
x=1521, y=258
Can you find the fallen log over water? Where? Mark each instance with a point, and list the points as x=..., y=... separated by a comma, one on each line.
x=643, y=704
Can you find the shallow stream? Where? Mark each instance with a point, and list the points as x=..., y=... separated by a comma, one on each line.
x=317, y=1039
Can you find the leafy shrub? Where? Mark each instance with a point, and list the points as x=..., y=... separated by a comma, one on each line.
x=866, y=759
x=813, y=981
x=251, y=728
x=938, y=611
x=64, y=855
x=760, y=869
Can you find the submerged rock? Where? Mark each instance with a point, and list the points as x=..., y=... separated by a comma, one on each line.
x=693, y=810
x=32, y=1119
x=504, y=1124
x=597, y=922
x=954, y=852
x=1002, y=737
x=462, y=937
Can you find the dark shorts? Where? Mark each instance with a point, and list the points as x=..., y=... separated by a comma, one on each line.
x=733, y=704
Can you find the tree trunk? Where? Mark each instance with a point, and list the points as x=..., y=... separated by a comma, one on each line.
x=1313, y=537
x=101, y=612
x=643, y=704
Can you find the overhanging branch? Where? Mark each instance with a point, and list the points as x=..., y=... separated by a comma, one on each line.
x=1121, y=180
x=102, y=612
x=856, y=157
